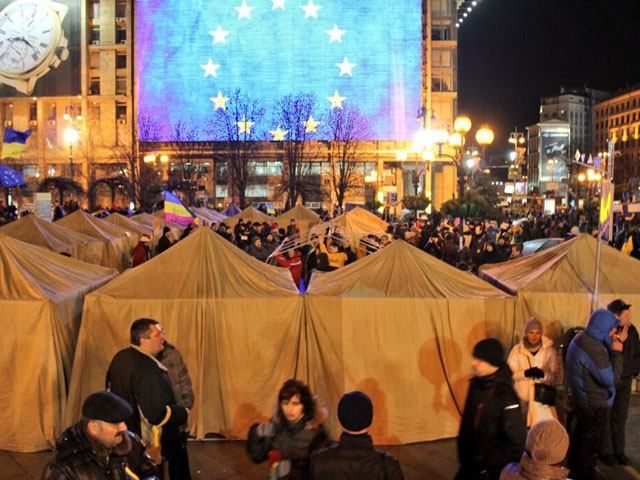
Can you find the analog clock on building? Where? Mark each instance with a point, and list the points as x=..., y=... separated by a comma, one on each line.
x=32, y=42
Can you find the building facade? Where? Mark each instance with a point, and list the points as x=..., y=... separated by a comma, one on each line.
x=102, y=110
x=574, y=106
x=617, y=119
x=549, y=158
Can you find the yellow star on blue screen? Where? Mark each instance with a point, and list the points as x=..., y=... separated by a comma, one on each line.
x=244, y=10
x=345, y=67
x=219, y=102
x=335, y=34
x=244, y=126
x=278, y=134
x=210, y=69
x=310, y=10
x=311, y=125
x=219, y=35
x=336, y=100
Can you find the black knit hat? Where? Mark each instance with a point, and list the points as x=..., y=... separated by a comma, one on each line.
x=355, y=411
x=489, y=350
x=107, y=407
x=618, y=306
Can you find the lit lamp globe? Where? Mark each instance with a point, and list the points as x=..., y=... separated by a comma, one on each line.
x=71, y=136
x=439, y=136
x=484, y=136
x=462, y=124
x=455, y=140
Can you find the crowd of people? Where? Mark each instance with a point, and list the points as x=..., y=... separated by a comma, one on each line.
x=514, y=423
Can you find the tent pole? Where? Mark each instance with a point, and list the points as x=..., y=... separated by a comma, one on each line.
x=608, y=221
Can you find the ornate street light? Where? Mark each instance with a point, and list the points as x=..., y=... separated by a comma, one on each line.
x=71, y=137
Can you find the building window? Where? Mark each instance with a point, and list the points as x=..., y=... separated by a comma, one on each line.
x=33, y=112
x=121, y=10
x=94, y=86
x=94, y=35
x=121, y=35
x=121, y=85
x=440, y=32
x=121, y=61
x=94, y=10
x=94, y=113
x=121, y=112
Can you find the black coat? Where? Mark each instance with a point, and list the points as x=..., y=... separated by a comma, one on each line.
x=354, y=458
x=145, y=385
x=631, y=354
x=492, y=431
x=76, y=459
x=295, y=442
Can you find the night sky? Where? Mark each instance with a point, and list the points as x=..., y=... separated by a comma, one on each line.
x=512, y=52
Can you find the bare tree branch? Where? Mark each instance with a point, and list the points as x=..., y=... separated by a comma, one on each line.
x=239, y=128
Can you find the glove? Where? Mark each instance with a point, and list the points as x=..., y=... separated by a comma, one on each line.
x=265, y=429
x=534, y=372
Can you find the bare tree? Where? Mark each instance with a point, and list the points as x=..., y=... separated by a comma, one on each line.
x=292, y=115
x=347, y=128
x=142, y=178
x=237, y=126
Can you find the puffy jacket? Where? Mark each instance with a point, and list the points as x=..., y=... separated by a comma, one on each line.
x=77, y=459
x=591, y=370
x=354, y=458
x=521, y=359
x=492, y=430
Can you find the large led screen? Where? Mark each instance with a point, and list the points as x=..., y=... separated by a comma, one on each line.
x=359, y=53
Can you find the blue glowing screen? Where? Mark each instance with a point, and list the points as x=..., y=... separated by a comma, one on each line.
x=363, y=53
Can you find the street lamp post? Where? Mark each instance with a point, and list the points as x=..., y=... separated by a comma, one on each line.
x=71, y=137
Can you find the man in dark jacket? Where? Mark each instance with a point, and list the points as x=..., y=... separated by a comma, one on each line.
x=163, y=242
x=614, y=439
x=99, y=446
x=136, y=375
x=354, y=457
x=593, y=367
x=492, y=431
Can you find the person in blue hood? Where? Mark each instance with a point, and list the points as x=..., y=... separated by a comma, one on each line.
x=593, y=367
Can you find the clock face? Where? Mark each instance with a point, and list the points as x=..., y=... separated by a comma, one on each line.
x=28, y=29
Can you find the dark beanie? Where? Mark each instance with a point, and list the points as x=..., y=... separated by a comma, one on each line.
x=489, y=350
x=355, y=411
x=106, y=406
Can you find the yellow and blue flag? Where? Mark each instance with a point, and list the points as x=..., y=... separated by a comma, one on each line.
x=175, y=211
x=14, y=143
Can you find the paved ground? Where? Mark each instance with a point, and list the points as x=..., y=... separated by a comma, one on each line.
x=227, y=460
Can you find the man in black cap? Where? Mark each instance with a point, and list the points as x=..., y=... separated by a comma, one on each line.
x=492, y=431
x=99, y=446
x=354, y=457
x=614, y=434
x=143, y=381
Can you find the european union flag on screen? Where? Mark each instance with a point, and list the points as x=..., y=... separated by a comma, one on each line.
x=10, y=178
x=14, y=142
x=358, y=53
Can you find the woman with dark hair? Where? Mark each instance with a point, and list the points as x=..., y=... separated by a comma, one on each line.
x=291, y=435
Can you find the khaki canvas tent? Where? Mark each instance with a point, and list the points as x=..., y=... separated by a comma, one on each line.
x=303, y=216
x=147, y=219
x=41, y=298
x=557, y=284
x=360, y=223
x=129, y=224
x=236, y=321
x=36, y=231
x=400, y=325
x=249, y=214
x=119, y=242
x=209, y=216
